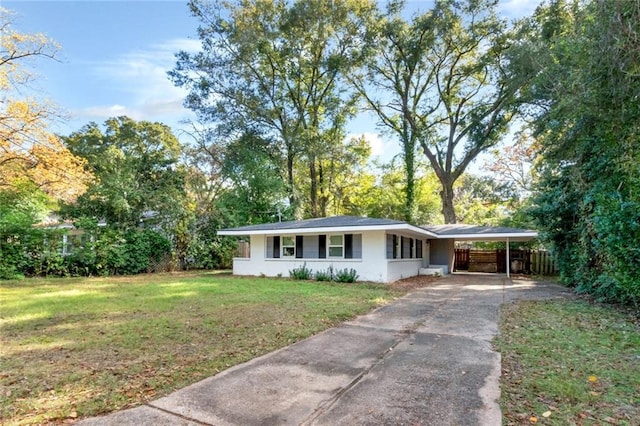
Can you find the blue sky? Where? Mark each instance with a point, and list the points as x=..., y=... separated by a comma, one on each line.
x=115, y=56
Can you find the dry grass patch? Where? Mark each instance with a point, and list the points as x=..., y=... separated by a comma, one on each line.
x=82, y=347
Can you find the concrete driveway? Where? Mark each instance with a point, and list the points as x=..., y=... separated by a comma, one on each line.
x=425, y=359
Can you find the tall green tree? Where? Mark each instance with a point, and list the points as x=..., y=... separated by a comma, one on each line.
x=588, y=127
x=440, y=83
x=137, y=176
x=276, y=68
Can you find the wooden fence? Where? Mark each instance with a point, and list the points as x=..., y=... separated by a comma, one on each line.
x=539, y=262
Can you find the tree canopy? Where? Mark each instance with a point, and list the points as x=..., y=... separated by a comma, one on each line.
x=137, y=177
x=441, y=82
x=277, y=69
x=29, y=153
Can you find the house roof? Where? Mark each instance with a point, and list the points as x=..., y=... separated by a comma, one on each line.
x=328, y=224
x=475, y=232
x=353, y=223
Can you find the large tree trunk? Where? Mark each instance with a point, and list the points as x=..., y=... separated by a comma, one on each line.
x=410, y=189
x=293, y=201
x=447, y=202
x=313, y=195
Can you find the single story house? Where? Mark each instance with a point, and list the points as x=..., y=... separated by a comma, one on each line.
x=380, y=250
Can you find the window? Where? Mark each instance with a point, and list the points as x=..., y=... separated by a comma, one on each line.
x=336, y=246
x=288, y=247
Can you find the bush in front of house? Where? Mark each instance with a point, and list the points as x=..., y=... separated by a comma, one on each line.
x=325, y=275
x=301, y=273
x=330, y=274
x=346, y=275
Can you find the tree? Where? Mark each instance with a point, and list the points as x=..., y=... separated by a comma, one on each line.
x=276, y=69
x=385, y=196
x=587, y=123
x=28, y=152
x=481, y=200
x=340, y=168
x=441, y=82
x=136, y=169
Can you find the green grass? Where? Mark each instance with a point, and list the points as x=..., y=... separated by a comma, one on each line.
x=81, y=347
x=569, y=362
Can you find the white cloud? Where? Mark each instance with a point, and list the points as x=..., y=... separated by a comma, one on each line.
x=140, y=82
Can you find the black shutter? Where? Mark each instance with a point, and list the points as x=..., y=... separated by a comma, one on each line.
x=402, y=247
x=276, y=246
x=411, y=252
x=419, y=249
x=348, y=246
x=298, y=246
x=395, y=246
x=322, y=246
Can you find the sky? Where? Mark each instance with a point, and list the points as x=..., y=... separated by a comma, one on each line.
x=115, y=56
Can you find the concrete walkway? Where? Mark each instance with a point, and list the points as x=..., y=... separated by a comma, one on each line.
x=425, y=359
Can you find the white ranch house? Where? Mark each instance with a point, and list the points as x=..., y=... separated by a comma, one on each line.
x=380, y=250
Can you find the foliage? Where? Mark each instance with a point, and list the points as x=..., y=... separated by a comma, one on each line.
x=346, y=275
x=327, y=275
x=21, y=207
x=384, y=195
x=141, y=337
x=587, y=199
x=301, y=273
x=480, y=200
x=276, y=69
x=574, y=361
x=137, y=178
x=28, y=151
x=440, y=83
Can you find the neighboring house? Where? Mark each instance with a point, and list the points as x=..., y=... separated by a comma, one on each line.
x=380, y=250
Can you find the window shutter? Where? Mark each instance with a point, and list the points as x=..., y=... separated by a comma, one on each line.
x=348, y=246
x=395, y=246
x=322, y=246
x=299, y=247
x=419, y=249
x=411, y=252
x=402, y=250
x=276, y=247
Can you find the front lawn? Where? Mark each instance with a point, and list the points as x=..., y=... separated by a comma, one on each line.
x=81, y=347
x=569, y=362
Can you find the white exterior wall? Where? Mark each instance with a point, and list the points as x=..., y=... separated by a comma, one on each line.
x=402, y=268
x=372, y=266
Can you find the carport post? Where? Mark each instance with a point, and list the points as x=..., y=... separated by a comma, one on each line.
x=508, y=263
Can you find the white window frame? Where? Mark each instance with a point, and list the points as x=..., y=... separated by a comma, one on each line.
x=330, y=246
x=284, y=246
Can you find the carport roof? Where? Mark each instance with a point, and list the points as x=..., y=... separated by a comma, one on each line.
x=479, y=233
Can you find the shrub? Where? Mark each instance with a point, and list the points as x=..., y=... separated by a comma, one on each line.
x=346, y=275
x=301, y=273
x=325, y=275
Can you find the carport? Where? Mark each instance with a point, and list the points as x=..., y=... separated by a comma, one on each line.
x=449, y=234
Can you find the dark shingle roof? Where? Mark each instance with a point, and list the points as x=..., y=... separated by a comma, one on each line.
x=323, y=222
x=461, y=229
